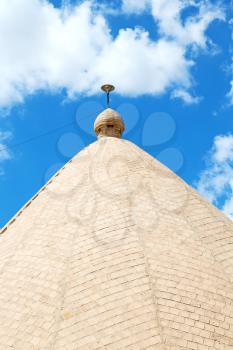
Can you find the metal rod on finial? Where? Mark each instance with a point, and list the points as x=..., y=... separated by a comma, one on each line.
x=108, y=88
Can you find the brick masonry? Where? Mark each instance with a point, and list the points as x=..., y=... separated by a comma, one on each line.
x=116, y=252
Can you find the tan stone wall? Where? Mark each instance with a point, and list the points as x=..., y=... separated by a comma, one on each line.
x=116, y=252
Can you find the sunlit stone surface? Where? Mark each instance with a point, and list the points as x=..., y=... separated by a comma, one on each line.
x=116, y=252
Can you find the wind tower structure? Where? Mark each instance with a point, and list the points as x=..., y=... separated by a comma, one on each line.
x=116, y=252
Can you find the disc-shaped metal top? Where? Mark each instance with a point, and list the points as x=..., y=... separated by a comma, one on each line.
x=108, y=88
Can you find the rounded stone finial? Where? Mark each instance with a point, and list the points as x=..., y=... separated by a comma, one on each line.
x=109, y=123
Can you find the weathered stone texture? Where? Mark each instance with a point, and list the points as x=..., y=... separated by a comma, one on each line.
x=116, y=252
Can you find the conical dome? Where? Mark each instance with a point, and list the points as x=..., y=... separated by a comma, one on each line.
x=116, y=252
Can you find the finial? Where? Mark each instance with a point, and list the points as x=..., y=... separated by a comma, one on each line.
x=109, y=123
x=108, y=88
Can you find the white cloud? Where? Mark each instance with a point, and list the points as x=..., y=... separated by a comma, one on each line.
x=135, y=6
x=5, y=153
x=71, y=48
x=137, y=66
x=193, y=31
x=185, y=96
x=216, y=181
x=230, y=93
x=168, y=14
x=223, y=149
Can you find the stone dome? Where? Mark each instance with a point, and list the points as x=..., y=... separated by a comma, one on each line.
x=109, y=123
x=116, y=252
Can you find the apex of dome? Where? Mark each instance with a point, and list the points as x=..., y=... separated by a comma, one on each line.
x=109, y=123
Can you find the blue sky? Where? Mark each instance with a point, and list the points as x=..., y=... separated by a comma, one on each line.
x=171, y=63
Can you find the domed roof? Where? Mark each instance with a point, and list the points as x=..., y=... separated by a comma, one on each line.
x=116, y=253
x=109, y=123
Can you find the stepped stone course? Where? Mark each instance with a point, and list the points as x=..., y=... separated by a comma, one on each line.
x=116, y=252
